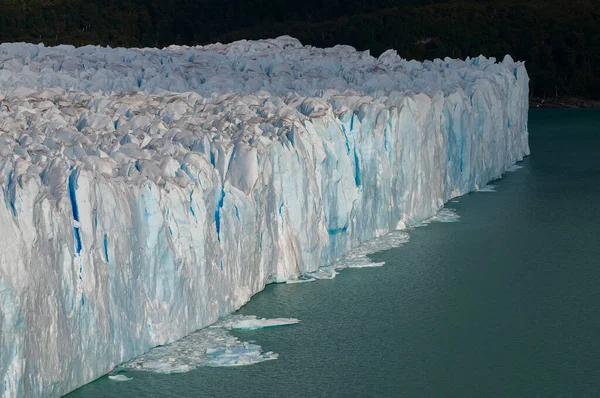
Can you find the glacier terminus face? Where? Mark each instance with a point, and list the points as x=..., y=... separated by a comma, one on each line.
x=148, y=192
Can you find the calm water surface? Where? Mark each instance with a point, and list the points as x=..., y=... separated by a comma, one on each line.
x=505, y=302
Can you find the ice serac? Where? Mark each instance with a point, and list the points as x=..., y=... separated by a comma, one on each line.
x=146, y=192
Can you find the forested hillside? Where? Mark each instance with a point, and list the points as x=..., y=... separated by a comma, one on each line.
x=559, y=40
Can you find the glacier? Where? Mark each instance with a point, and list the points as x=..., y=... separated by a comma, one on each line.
x=148, y=192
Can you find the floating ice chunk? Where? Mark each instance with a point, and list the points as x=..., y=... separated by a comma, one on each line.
x=301, y=279
x=168, y=367
x=487, y=188
x=444, y=215
x=213, y=346
x=119, y=378
x=357, y=258
x=513, y=168
x=240, y=356
x=252, y=322
x=367, y=265
x=324, y=273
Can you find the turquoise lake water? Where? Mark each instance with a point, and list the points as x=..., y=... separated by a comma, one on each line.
x=504, y=302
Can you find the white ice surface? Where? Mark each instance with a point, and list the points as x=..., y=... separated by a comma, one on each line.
x=146, y=193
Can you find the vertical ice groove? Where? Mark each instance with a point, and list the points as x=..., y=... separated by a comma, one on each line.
x=357, y=168
x=347, y=140
x=218, y=208
x=192, y=204
x=105, y=244
x=75, y=210
x=10, y=190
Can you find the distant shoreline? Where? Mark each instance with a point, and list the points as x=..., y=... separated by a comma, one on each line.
x=563, y=102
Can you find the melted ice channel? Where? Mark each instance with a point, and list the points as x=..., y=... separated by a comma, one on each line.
x=212, y=346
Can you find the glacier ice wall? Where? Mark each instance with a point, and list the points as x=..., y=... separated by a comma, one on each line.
x=146, y=193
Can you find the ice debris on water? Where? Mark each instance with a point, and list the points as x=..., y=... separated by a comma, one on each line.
x=514, y=168
x=357, y=258
x=213, y=346
x=119, y=378
x=252, y=322
x=445, y=215
x=487, y=188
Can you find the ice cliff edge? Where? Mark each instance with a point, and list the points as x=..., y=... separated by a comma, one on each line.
x=147, y=192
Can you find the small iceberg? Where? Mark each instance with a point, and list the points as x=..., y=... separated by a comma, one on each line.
x=119, y=378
